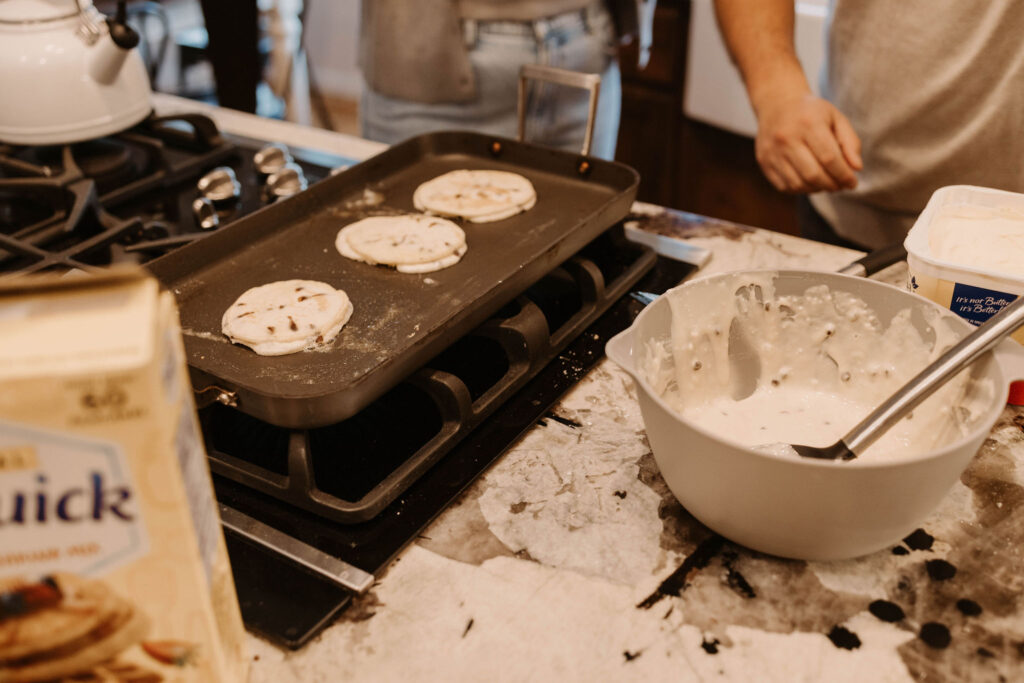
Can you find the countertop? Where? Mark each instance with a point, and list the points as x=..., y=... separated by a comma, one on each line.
x=565, y=560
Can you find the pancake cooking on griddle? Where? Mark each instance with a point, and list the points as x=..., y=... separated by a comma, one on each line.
x=287, y=316
x=477, y=196
x=410, y=243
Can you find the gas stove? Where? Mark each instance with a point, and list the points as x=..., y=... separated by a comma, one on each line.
x=130, y=197
x=307, y=529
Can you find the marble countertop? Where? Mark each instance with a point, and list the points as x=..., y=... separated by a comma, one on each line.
x=565, y=560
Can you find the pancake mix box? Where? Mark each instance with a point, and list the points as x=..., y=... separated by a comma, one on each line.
x=112, y=559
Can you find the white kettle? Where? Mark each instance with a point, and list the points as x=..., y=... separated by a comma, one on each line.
x=67, y=73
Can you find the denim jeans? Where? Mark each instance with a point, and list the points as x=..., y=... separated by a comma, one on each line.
x=556, y=115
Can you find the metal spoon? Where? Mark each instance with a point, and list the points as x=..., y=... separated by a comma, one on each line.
x=922, y=385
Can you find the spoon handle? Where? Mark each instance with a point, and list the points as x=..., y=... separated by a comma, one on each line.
x=959, y=356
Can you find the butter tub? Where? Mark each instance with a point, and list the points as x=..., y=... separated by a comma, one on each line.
x=977, y=280
x=974, y=292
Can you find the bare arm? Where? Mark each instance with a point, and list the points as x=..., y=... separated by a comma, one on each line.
x=804, y=144
x=759, y=35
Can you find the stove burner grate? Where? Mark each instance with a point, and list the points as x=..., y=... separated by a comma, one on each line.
x=55, y=201
x=81, y=233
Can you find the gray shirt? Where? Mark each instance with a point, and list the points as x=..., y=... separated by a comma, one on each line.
x=935, y=90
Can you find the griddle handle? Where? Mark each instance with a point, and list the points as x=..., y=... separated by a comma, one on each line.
x=573, y=79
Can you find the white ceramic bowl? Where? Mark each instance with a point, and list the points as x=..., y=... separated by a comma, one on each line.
x=798, y=507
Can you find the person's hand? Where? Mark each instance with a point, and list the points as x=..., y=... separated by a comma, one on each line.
x=804, y=144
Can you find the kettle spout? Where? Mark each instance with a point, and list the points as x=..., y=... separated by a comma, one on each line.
x=110, y=53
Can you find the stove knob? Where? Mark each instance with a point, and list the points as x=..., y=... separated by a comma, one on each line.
x=271, y=159
x=285, y=182
x=220, y=186
x=205, y=213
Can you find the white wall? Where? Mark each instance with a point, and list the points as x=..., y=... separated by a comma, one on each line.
x=332, y=42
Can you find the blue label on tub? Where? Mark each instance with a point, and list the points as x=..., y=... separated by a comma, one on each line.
x=977, y=304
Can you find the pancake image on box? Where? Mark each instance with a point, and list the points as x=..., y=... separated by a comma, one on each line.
x=63, y=625
x=477, y=196
x=409, y=244
x=287, y=316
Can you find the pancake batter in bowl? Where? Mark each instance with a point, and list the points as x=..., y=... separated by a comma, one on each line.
x=761, y=369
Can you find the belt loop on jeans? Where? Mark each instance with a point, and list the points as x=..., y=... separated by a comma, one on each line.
x=587, y=15
x=541, y=30
x=470, y=33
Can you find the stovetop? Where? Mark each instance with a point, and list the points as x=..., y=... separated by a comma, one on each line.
x=129, y=197
x=136, y=195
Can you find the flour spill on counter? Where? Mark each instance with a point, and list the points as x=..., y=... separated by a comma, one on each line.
x=762, y=369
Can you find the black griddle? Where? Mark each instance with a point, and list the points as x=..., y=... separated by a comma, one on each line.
x=400, y=320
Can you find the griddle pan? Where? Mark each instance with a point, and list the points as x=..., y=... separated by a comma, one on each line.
x=400, y=320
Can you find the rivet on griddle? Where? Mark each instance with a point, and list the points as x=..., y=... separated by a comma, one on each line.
x=495, y=148
x=583, y=168
x=227, y=398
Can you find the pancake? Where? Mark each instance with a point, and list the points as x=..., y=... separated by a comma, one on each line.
x=410, y=243
x=125, y=629
x=478, y=196
x=84, y=606
x=88, y=625
x=286, y=316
